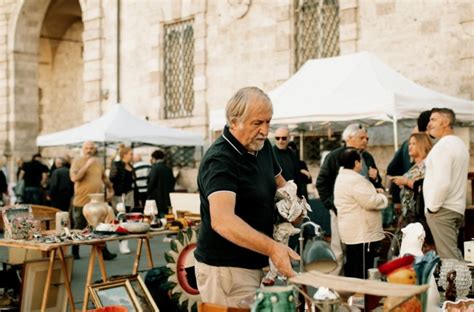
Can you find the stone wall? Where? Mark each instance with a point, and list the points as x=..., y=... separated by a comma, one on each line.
x=60, y=82
x=429, y=42
x=237, y=44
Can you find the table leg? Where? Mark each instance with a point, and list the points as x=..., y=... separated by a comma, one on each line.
x=66, y=279
x=137, y=256
x=148, y=253
x=103, y=271
x=48, y=280
x=90, y=270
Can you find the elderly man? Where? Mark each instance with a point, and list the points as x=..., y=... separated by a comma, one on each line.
x=285, y=156
x=89, y=177
x=237, y=180
x=355, y=136
x=444, y=187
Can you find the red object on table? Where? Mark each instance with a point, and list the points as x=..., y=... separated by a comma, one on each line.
x=110, y=309
x=398, y=263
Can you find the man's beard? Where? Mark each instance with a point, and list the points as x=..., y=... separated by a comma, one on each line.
x=256, y=145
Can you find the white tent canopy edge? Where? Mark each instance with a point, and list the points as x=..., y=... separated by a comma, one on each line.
x=119, y=125
x=352, y=87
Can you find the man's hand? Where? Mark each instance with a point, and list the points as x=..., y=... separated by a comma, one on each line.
x=373, y=173
x=110, y=193
x=280, y=256
x=90, y=161
x=400, y=180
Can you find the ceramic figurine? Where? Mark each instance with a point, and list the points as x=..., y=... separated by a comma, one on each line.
x=400, y=271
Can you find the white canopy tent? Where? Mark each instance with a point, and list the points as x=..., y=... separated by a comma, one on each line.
x=118, y=125
x=352, y=87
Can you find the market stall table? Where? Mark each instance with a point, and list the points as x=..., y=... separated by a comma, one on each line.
x=57, y=249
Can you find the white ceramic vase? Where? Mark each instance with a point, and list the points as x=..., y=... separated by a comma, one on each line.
x=97, y=211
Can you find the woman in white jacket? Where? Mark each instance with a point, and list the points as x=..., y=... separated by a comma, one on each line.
x=359, y=207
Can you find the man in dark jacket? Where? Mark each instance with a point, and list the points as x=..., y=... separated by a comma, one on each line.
x=285, y=156
x=61, y=188
x=355, y=136
x=160, y=182
x=35, y=175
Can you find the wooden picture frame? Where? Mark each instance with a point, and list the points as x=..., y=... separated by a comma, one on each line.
x=144, y=298
x=118, y=292
x=34, y=278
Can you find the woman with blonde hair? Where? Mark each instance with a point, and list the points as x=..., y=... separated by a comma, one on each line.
x=122, y=176
x=419, y=145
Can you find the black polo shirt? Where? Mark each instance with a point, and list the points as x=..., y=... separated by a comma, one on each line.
x=227, y=166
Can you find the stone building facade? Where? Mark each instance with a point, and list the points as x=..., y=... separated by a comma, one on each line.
x=64, y=62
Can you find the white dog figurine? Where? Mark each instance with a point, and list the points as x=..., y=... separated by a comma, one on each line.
x=412, y=243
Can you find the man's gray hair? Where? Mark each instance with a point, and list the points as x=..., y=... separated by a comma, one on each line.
x=352, y=130
x=238, y=107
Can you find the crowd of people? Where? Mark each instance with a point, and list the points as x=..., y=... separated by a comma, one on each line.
x=66, y=185
x=241, y=171
x=238, y=178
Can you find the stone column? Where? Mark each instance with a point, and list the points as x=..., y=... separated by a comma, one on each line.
x=348, y=26
x=93, y=48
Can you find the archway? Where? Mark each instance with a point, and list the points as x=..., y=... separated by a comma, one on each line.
x=60, y=67
x=46, y=37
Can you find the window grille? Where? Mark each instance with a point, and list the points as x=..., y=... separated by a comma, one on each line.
x=314, y=145
x=180, y=156
x=317, y=30
x=179, y=69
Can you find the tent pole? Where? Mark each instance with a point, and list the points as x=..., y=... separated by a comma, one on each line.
x=301, y=155
x=105, y=167
x=395, y=133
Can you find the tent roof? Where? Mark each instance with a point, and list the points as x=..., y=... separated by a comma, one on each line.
x=356, y=86
x=118, y=125
x=352, y=87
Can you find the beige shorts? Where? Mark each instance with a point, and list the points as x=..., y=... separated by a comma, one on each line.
x=226, y=286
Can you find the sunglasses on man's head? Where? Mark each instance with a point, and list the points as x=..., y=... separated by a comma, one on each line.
x=283, y=138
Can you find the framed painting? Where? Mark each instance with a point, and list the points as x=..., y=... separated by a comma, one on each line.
x=34, y=278
x=115, y=293
x=144, y=298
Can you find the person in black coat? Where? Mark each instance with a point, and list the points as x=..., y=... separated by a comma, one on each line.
x=61, y=188
x=286, y=157
x=160, y=183
x=355, y=136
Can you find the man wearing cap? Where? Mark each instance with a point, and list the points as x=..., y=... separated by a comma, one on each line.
x=444, y=187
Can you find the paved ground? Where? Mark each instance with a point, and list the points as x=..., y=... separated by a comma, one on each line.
x=121, y=265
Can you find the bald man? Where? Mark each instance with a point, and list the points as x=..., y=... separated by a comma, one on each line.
x=285, y=156
x=89, y=177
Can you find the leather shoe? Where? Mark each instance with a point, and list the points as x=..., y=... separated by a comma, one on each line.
x=75, y=252
x=107, y=254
